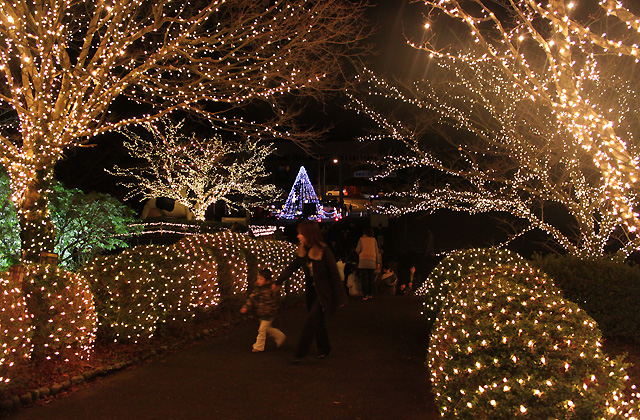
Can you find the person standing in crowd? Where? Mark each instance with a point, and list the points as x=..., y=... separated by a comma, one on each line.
x=325, y=291
x=264, y=300
x=369, y=262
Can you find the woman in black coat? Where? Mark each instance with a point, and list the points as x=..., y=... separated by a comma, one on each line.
x=324, y=288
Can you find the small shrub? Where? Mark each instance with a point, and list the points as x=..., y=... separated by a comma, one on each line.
x=16, y=330
x=64, y=317
x=86, y=224
x=507, y=345
x=607, y=290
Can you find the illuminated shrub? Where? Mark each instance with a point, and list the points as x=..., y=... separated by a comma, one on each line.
x=147, y=288
x=276, y=255
x=204, y=269
x=139, y=290
x=454, y=267
x=15, y=326
x=607, y=290
x=64, y=317
x=232, y=268
x=177, y=289
x=507, y=345
x=239, y=258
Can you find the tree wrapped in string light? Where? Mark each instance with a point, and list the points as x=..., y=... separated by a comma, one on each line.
x=533, y=114
x=195, y=172
x=72, y=70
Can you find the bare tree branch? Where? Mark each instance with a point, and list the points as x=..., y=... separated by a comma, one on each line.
x=530, y=113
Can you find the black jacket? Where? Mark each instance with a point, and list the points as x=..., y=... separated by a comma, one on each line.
x=325, y=284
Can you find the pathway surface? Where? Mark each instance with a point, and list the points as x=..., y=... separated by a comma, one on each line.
x=376, y=371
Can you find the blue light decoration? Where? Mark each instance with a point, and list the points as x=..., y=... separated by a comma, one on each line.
x=301, y=195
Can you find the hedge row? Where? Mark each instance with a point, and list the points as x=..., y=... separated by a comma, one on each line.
x=505, y=343
x=47, y=312
x=607, y=290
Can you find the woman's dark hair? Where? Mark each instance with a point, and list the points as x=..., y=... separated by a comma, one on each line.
x=311, y=232
x=368, y=231
x=266, y=273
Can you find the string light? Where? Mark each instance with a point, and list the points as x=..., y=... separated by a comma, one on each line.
x=215, y=59
x=16, y=332
x=195, y=172
x=541, y=116
x=506, y=342
x=147, y=287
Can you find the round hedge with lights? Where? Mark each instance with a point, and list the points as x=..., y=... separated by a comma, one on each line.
x=455, y=266
x=64, y=317
x=147, y=288
x=507, y=345
x=140, y=290
x=16, y=330
x=240, y=257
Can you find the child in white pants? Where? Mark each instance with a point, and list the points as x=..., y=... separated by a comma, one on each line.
x=264, y=300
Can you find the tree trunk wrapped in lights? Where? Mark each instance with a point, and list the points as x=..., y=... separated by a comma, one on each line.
x=63, y=65
x=541, y=117
x=37, y=233
x=195, y=172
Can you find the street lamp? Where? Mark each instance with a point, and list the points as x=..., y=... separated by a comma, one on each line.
x=340, y=191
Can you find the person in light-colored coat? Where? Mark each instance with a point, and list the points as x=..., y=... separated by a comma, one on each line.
x=368, y=263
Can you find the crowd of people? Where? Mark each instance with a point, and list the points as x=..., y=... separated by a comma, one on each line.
x=370, y=269
x=336, y=262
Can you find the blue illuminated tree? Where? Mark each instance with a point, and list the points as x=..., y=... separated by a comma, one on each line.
x=301, y=194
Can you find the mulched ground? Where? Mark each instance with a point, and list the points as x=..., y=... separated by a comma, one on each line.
x=47, y=373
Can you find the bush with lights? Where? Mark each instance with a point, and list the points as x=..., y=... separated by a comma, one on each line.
x=139, y=290
x=203, y=268
x=232, y=268
x=148, y=288
x=240, y=257
x=455, y=266
x=507, y=345
x=607, y=290
x=64, y=317
x=16, y=326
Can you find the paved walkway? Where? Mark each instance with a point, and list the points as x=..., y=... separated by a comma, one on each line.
x=376, y=371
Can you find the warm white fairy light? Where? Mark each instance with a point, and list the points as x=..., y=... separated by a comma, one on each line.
x=214, y=58
x=16, y=329
x=542, y=116
x=147, y=287
x=457, y=265
x=506, y=342
x=195, y=172
x=49, y=314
